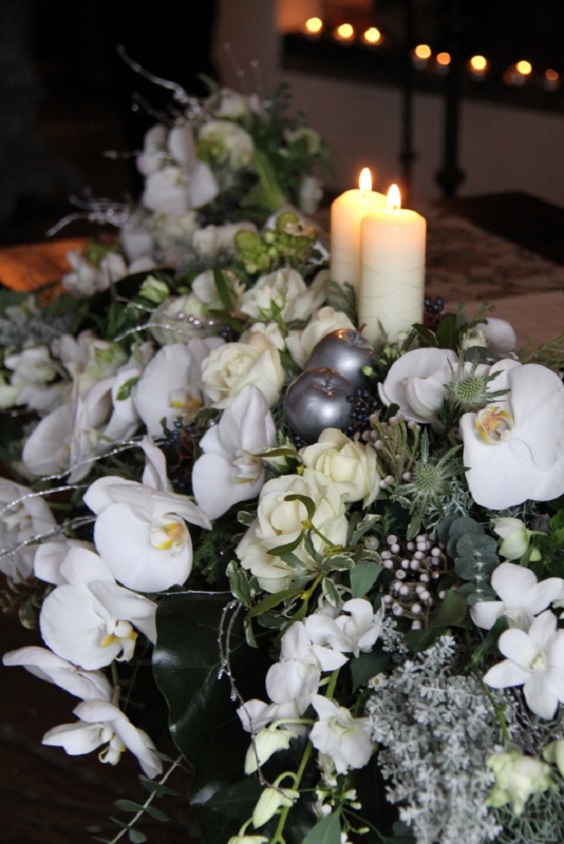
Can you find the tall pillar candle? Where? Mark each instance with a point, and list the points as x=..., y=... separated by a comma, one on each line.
x=347, y=212
x=392, y=270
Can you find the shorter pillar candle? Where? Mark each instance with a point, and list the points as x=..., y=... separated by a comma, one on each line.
x=347, y=212
x=392, y=270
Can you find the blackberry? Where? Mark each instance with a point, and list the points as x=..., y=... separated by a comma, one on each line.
x=363, y=405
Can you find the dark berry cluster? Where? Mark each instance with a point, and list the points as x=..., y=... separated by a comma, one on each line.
x=180, y=445
x=434, y=308
x=364, y=404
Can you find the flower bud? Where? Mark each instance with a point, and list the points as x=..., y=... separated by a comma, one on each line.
x=270, y=801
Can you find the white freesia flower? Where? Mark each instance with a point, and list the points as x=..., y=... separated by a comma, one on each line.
x=517, y=777
x=301, y=343
x=23, y=516
x=534, y=660
x=267, y=741
x=522, y=597
x=33, y=370
x=296, y=676
x=256, y=714
x=170, y=387
x=102, y=723
x=417, y=382
x=231, y=367
x=90, y=620
x=514, y=449
x=280, y=522
x=270, y=801
x=141, y=533
x=229, y=469
x=43, y=663
x=349, y=464
x=354, y=630
x=515, y=536
x=341, y=736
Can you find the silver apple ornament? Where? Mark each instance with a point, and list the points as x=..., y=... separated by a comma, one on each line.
x=318, y=399
x=345, y=351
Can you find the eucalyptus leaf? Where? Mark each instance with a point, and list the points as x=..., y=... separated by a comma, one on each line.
x=326, y=831
x=363, y=577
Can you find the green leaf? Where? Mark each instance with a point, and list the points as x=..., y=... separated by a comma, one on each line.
x=129, y=806
x=223, y=289
x=157, y=814
x=238, y=800
x=326, y=831
x=186, y=665
x=367, y=665
x=363, y=577
x=156, y=787
x=274, y=600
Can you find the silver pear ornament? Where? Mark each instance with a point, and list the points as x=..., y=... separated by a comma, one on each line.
x=318, y=399
x=345, y=351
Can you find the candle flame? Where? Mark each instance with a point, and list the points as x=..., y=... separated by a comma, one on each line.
x=394, y=198
x=365, y=179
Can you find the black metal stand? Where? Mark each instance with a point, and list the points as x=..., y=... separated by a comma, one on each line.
x=450, y=176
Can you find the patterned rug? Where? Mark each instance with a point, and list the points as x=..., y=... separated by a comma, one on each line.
x=465, y=262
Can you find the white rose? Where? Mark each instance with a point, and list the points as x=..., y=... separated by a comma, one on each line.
x=301, y=343
x=287, y=291
x=349, y=465
x=230, y=368
x=226, y=142
x=280, y=522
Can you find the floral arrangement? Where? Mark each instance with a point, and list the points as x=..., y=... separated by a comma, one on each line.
x=344, y=562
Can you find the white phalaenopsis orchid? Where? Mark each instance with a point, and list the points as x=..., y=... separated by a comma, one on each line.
x=141, y=533
x=341, y=736
x=43, y=663
x=177, y=180
x=50, y=556
x=24, y=515
x=522, y=597
x=534, y=660
x=102, y=723
x=229, y=470
x=170, y=388
x=87, y=425
x=514, y=448
x=90, y=620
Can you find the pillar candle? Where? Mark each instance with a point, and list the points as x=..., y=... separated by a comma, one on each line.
x=347, y=212
x=392, y=270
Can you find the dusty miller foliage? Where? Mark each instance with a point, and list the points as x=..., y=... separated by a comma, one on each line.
x=434, y=731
